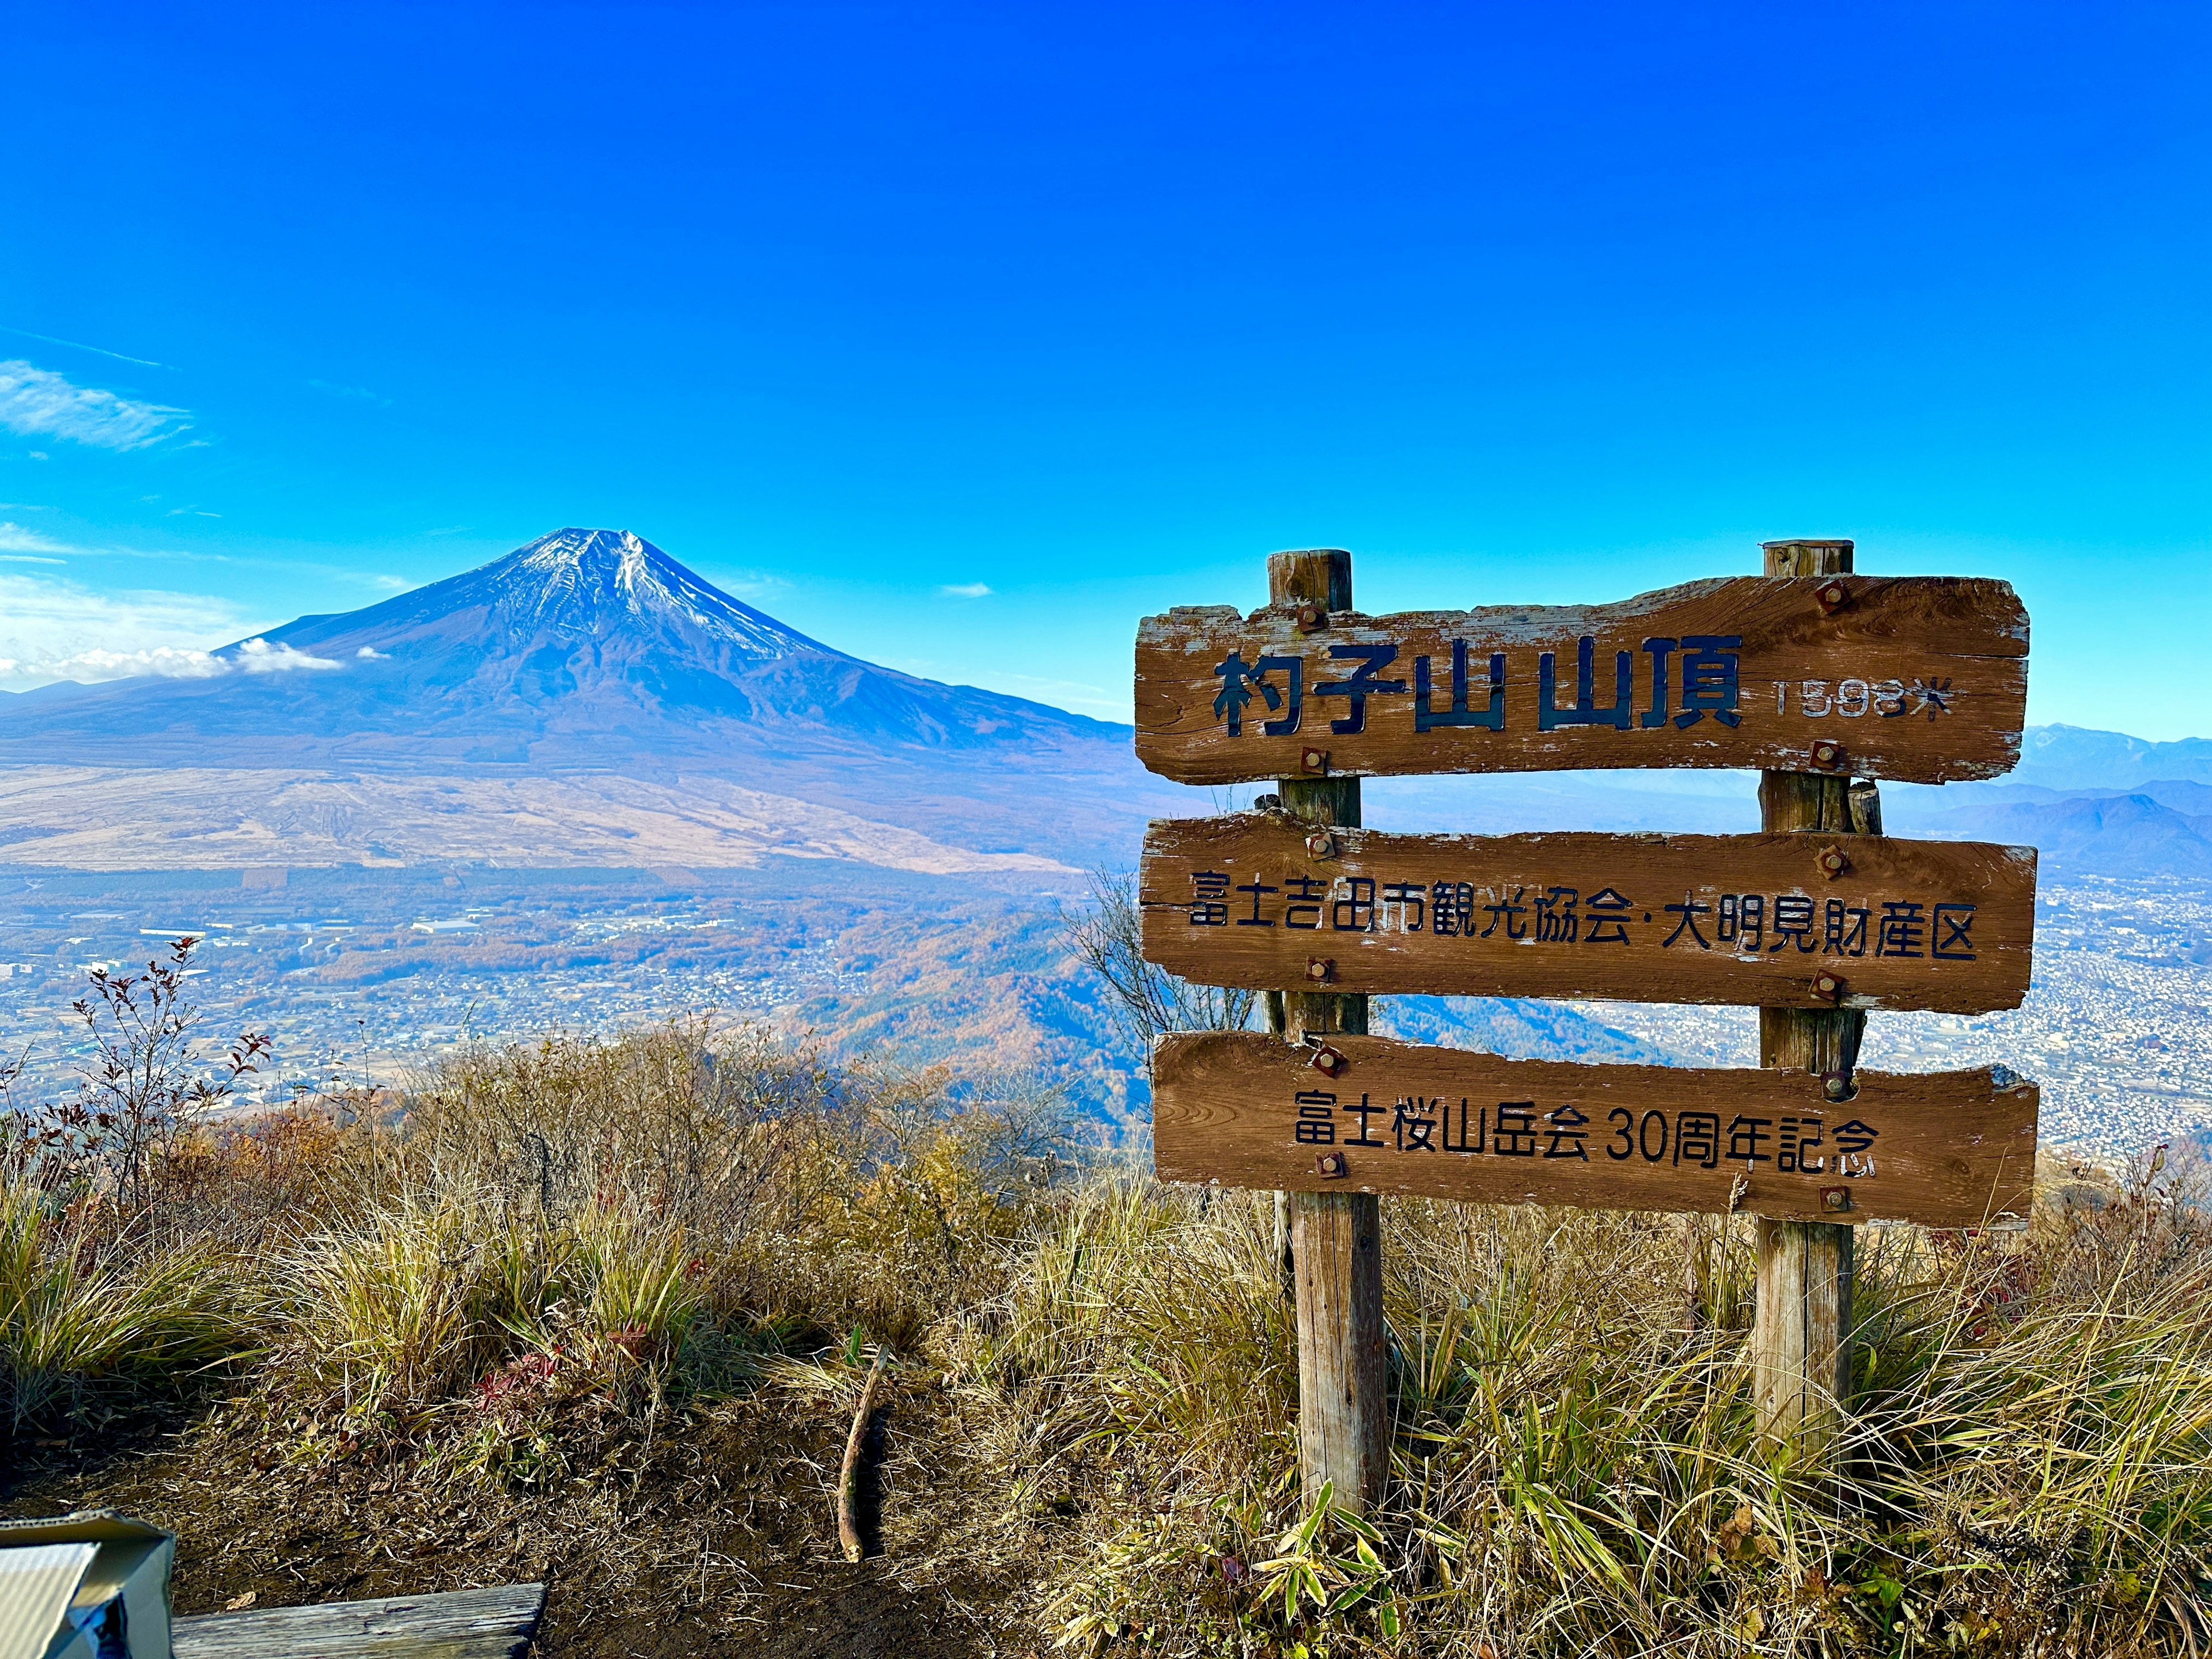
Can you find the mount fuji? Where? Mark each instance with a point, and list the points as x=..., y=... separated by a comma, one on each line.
x=588, y=676
x=584, y=649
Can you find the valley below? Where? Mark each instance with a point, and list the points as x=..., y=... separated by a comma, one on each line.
x=361, y=977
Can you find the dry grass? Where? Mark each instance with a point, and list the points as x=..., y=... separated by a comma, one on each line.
x=564, y=1256
x=1575, y=1464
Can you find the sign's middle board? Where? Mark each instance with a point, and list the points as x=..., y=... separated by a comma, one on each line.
x=1805, y=920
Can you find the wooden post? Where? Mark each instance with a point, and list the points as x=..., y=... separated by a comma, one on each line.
x=1336, y=1239
x=1801, y=1330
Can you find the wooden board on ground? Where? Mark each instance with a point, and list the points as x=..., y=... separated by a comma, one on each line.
x=1257, y=899
x=1915, y=678
x=499, y=1623
x=1951, y=1149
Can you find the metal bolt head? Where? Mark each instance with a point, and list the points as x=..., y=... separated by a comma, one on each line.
x=1833, y=861
x=1836, y=1087
x=1331, y=1164
x=1321, y=969
x=1322, y=844
x=1827, y=988
x=1831, y=597
x=1835, y=1200
x=1314, y=760
x=1327, y=1061
x=1827, y=753
x=1312, y=619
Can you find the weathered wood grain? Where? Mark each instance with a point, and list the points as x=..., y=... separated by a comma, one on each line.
x=499, y=1623
x=1917, y=678
x=1331, y=902
x=1336, y=1238
x=1800, y=1337
x=1950, y=1149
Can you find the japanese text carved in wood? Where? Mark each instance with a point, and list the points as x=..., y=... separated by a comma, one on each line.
x=1947, y=1149
x=1915, y=678
x=1779, y=920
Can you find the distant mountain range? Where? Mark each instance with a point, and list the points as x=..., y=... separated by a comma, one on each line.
x=2069, y=757
x=587, y=700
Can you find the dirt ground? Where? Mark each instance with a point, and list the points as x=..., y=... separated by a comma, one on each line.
x=716, y=1537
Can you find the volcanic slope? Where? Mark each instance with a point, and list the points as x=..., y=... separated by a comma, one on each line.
x=561, y=675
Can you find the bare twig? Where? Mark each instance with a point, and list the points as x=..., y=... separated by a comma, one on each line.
x=849, y=1476
x=1145, y=999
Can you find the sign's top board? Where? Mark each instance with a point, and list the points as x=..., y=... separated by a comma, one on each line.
x=1789, y=920
x=1947, y=1149
x=1922, y=679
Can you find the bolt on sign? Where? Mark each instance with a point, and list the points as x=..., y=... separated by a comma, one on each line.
x=1362, y=1113
x=1258, y=900
x=1922, y=678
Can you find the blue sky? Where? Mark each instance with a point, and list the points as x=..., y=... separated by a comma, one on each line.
x=862, y=310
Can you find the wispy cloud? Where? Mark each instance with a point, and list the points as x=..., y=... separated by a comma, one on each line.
x=370, y=654
x=28, y=558
x=965, y=590
x=39, y=402
x=751, y=584
x=390, y=584
x=14, y=538
x=1078, y=695
x=359, y=394
x=79, y=345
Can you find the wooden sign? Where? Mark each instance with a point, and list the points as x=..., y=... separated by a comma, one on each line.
x=1814, y=920
x=1917, y=677
x=1950, y=1149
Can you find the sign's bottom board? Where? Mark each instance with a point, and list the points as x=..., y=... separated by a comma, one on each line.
x=1948, y=1149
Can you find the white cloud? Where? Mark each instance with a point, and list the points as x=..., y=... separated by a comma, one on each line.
x=14, y=538
x=390, y=584
x=87, y=667
x=370, y=654
x=965, y=590
x=39, y=402
x=53, y=628
x=28, y=558
x=257, y=656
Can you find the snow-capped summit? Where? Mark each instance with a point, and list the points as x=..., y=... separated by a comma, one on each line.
x=588, y=582
x=573, y=585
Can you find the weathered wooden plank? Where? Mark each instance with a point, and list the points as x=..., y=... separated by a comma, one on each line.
x=1257, y=899
x=1918, y=678
x=498, y=1623
x=1950, y=1149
